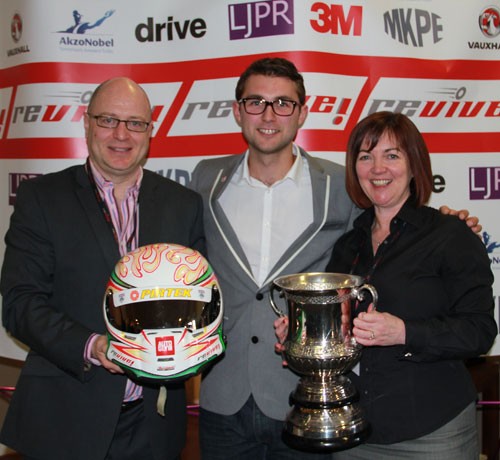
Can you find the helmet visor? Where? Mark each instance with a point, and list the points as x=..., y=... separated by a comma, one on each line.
x=134, y=310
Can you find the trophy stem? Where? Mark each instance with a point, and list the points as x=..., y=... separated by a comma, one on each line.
x=331, y=391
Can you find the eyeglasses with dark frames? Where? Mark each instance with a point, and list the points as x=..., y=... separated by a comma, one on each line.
x=103, y=121
x=258, y=105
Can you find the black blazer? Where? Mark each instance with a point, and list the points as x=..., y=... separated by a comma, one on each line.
x=60, y=253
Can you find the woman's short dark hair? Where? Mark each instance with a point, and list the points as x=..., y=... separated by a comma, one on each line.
x=273, y=67
x=408, y=138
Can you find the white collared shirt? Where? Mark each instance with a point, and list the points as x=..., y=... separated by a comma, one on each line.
x=268, y=219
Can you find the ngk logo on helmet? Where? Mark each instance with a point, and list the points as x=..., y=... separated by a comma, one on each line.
x=165, y=346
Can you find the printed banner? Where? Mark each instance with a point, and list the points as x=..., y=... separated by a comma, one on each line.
x=437, y=62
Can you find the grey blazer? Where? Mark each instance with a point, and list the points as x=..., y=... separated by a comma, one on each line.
x=250, y=366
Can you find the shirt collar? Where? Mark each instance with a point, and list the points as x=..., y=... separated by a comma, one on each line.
x=408, y=213
x=102, y=183
x=294, y=173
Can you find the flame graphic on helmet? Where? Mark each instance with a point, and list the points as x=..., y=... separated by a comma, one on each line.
x=192, y=269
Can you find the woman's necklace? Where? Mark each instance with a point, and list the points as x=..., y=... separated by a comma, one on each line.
x=376, y=243
x=378, y=237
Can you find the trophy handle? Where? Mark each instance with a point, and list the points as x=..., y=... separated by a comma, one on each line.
x=271, y=300
x=368, y=287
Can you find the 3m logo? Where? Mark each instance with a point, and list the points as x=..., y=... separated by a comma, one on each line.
x=334, y=19
x=165, y=346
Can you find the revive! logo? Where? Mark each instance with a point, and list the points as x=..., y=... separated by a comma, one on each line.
x=165, y=346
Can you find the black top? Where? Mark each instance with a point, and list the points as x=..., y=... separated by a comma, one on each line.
x=434, y=273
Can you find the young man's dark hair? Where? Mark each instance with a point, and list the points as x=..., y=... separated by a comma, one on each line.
x=273, y=67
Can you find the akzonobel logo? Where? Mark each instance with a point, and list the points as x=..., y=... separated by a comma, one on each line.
x=73, y=36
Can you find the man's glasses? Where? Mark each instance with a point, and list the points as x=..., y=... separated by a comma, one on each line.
x=257, y=105
x=104, y=121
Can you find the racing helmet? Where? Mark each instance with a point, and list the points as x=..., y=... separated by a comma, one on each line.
x=163, y=312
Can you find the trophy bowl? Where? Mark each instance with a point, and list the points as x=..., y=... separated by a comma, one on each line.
x=320, y=348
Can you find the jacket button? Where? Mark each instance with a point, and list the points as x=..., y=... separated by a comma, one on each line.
x=255, y=339
x=259, y=296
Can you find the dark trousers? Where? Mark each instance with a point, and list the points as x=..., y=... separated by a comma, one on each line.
x=246, y=435
x=131, y=439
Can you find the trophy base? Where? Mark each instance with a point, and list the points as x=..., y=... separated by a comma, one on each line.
x=325, y=429
x=323, y=445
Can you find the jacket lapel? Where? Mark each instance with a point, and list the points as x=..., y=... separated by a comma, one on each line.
x=320, y=183
x=148, y=209
x=223, y=177
x=321, y=195
x=102, y=232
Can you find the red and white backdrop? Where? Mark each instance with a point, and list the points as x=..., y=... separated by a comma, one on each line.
x=436, y=61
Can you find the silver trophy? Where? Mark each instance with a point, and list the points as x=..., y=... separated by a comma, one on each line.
x=320, y=347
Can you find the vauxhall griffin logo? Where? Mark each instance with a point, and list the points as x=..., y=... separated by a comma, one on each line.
x=16, y=32
x=489, y=25
x=489, y=22
x=16, y=28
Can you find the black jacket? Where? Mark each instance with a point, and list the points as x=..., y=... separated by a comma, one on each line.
x=60, y=254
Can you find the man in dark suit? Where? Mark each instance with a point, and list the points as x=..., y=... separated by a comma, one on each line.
x=66, y=234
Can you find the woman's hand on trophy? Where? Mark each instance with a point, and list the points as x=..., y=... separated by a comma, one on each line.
x=281, y=331
x=377, y=328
